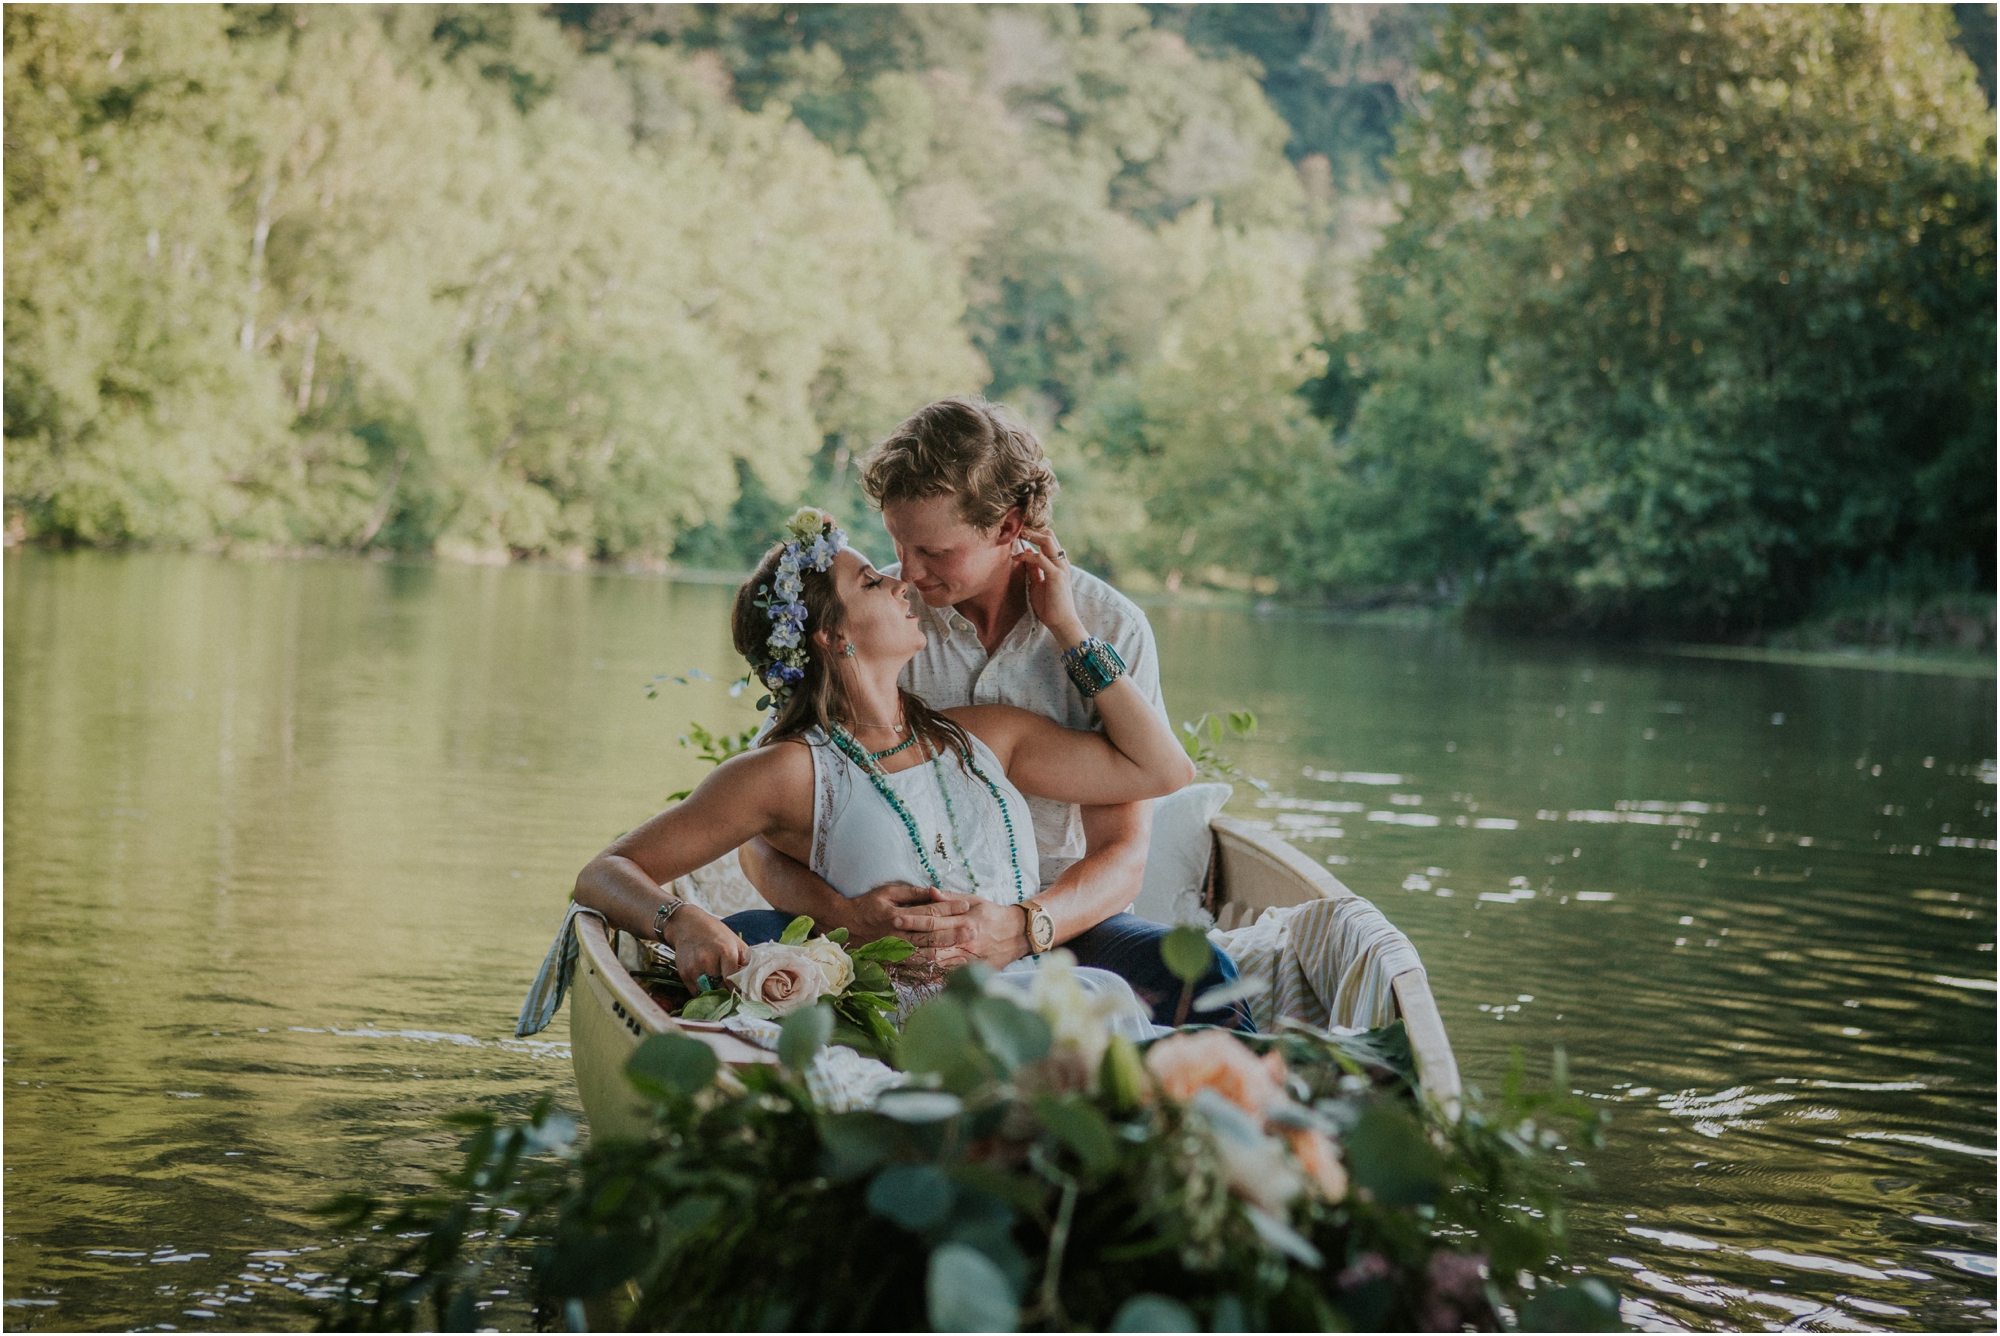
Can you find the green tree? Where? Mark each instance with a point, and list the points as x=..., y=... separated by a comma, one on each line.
x=430, y=276
x=1687, y=308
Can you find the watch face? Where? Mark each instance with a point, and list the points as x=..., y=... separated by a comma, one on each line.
x=1044, y=930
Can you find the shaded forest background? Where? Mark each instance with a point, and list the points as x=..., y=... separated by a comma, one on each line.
x=1637, y=317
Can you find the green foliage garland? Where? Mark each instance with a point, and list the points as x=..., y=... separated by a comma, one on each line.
x=1012, y=1185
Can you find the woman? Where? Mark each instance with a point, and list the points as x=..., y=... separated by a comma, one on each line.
x=862, y=781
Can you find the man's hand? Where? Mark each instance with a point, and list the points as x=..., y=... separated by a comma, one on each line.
x=704, y=945
x=882, y=911
x=962, y=928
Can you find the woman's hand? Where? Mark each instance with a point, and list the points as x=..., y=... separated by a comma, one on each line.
x=704, y=945
x=1041, y=555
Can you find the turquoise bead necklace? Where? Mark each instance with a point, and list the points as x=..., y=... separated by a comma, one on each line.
x=867, y=760
x=904, y=745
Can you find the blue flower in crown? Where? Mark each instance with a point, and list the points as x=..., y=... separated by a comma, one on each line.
x=812, y=541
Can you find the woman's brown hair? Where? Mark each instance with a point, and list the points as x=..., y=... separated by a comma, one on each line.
x=820, y=700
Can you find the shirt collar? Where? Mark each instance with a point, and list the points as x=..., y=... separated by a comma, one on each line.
x=951, y=623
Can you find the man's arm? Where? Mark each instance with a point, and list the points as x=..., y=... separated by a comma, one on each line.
x=795, y=889
x=1105, y=881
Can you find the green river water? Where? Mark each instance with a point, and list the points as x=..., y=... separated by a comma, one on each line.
x=285, y=842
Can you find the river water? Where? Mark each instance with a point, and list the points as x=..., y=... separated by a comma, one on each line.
x=286, y=840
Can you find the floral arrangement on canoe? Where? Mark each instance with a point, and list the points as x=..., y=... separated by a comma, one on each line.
x=799, y=970
x=1033, y=1171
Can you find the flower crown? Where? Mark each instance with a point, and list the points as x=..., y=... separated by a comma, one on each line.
x=813, y=540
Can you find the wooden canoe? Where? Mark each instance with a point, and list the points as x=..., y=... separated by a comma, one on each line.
x=1252, y=870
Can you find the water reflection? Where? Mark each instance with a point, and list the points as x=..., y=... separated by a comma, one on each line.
x=1729, y=895
x=285, y=841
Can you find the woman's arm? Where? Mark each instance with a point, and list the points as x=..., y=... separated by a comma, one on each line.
x=1135, y=757
x=761, y=792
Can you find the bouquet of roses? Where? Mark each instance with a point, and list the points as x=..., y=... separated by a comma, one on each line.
x=798, y=970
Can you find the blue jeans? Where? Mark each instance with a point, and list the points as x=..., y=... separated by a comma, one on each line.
x=1125, y=944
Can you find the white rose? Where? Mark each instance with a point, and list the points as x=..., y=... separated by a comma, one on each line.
x=1079, y=1019
x=783, y=978
x=833, y=962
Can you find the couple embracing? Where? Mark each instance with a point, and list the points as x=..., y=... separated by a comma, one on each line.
x=962, y=747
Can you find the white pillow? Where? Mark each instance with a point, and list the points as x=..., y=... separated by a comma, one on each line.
x=1177, y=861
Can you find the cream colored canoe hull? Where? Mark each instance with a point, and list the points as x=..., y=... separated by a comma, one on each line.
x=1253, y=870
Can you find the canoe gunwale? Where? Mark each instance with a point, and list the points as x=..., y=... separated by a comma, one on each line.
x=1244, y=854
x=1250, y=870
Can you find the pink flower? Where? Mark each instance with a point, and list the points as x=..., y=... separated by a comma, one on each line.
x=1316, y=1155
x=1214, y=1060
x=783, y=978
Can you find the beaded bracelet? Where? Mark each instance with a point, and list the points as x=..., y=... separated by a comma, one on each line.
x=1093, y=666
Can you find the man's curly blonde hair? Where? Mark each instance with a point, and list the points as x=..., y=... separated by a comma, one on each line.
x=969, y=448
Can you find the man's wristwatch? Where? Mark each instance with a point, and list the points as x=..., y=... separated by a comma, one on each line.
x=1041, y=927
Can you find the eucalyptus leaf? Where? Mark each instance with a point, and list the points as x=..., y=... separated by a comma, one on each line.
x=1187, y=953
x=856, y=1142
x=1238, y=990
x=1389, y=1154
x=673, y=1061
x=935, y=1038
x=915, y=1196
x=965, y=1291
x=803, y=1034
x=1282, y=1236
x=1082, y=1128
x=919, y=1106
x=1012, y=1034
x=1154, y=1312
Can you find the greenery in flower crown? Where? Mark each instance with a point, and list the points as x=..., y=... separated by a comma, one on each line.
x=813, y=540
x=1037, y=1173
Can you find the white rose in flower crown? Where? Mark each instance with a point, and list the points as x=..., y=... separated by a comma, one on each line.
x=833, y=962
x=783, y=978
x=806, y=523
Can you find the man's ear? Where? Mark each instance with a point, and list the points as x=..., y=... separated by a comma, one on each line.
x=1010, y=527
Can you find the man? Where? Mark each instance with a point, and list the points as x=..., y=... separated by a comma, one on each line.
x=957, y=483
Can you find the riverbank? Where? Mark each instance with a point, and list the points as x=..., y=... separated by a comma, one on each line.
x=1950, y=634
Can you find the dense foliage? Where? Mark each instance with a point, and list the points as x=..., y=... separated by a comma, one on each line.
x=1606, y=313
x=1687, y=310
x=1037, y=1174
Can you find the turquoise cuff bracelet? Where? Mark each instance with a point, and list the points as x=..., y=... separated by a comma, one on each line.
x=1093, y=666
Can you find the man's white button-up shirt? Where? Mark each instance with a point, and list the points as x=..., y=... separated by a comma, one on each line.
x=1026, y=670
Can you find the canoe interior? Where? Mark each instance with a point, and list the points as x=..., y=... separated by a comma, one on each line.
x=1252, y=870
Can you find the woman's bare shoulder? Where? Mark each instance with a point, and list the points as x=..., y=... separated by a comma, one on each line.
x=786, y=761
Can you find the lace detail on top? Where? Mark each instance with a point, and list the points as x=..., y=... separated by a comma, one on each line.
x=859, y=842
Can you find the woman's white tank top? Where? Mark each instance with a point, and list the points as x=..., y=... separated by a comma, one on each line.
x=860, y=842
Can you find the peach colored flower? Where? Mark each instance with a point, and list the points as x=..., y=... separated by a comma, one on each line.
x=783, y=978
x=1316, y=1154
x=1214, y=1060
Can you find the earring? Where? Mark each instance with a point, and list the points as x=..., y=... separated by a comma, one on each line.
x=848, y=651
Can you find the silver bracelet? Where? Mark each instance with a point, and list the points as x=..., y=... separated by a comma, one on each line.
x=664, y=915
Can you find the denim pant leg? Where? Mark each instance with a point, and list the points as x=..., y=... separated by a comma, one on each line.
x=1129, y=946
x=758, y=925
